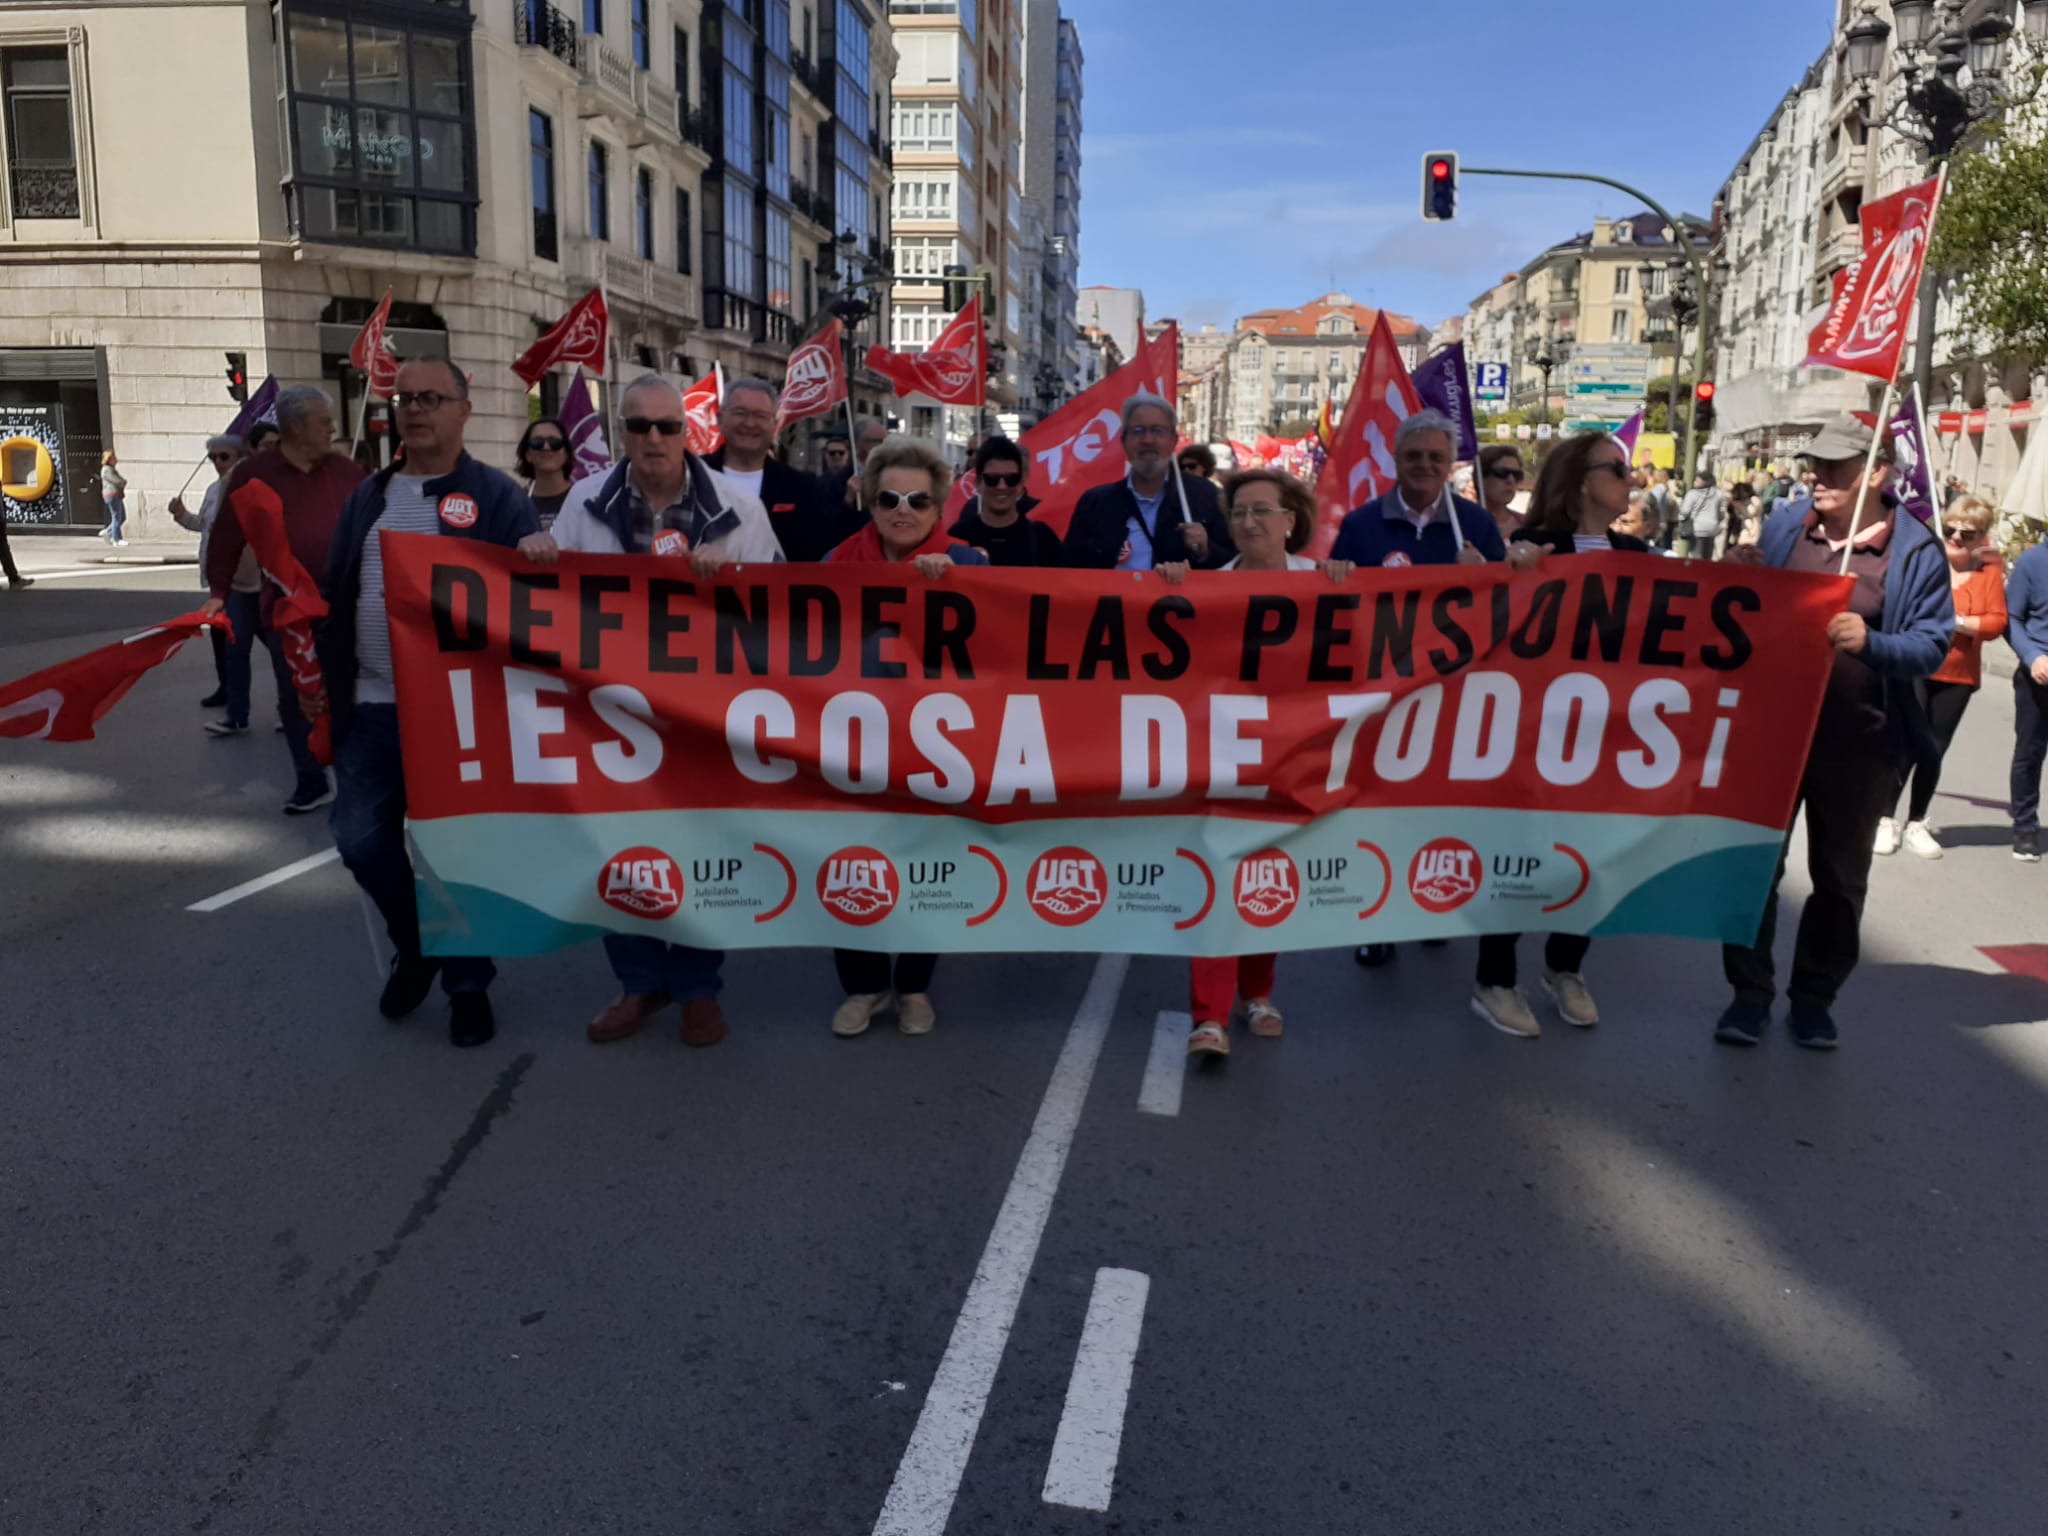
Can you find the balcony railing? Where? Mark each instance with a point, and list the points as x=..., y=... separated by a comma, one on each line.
x=606, y=71
x=810, y=73
x=44, y=191
x=813, y=205
x=642, y=285
x=660, y=108
x=537, y=24
x=698, y=127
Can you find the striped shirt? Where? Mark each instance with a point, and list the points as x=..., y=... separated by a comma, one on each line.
x=407, y=509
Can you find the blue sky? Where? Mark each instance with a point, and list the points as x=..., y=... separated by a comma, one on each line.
x=1247, y=156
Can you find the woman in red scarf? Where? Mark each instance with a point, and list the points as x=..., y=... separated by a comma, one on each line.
x=904, y=486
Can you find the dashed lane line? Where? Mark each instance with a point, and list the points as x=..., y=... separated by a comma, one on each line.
x=292, y=871
x=1082, y=1472
x=1166, y=1069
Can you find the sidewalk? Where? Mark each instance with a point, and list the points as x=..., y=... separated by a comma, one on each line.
x=65, y=551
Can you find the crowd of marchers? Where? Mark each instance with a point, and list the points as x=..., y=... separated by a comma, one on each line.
x=1907, y=647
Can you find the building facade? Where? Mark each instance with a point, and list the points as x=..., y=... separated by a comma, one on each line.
x=1052, y=183
x=1286, y=364
x=1118, y=313
x=485, y=164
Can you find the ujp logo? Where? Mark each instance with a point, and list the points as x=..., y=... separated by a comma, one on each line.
x=1067, y=886
x=1444, y=875
x=642, y=882
x=858, y=886
x=1267, y=888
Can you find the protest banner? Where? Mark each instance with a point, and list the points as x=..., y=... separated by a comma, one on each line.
x=802, y=756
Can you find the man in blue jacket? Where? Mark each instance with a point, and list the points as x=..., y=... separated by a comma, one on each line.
x=2026, y=606
x=1155, y=515
x=437, y=489
x=1893, y=634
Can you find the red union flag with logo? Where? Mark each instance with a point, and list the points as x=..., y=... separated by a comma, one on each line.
x=953, y=370
x=1360, y=465
x=372, y=354
x=817, y=378
x=700, y=410
x=1866, y=325
x=580, y=336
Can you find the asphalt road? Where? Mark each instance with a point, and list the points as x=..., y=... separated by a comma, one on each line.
x=270, y=1265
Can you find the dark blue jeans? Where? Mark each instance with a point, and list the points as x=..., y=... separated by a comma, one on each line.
x=298, y=730
x=369, y=829
x=2029, y=747
x=242, y=615
x=645, y=965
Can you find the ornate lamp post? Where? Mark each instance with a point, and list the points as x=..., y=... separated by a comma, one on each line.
x=1546, y=356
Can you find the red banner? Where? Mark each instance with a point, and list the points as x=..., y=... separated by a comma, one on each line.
x=700, y=410
x=372, y=354
x=580, y=336
x=817, y=378
x=953, y=370
x=296, y=603
x=1866, y=326
x=65, y=702
x=787, y=753
x=1361, y=461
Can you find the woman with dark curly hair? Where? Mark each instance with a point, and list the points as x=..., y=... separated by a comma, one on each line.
x=543, y=456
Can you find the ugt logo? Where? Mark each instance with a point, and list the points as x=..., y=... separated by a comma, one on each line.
x=858, y=886
x=1267, y=888
x=1067, y=886
x=642, y=882
x=1444, y=875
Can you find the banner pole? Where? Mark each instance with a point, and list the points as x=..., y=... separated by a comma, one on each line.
x=1927, y=461
x=362, y=418
x=1884, y=416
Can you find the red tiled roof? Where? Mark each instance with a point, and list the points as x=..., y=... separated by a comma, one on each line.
x=1303, y=321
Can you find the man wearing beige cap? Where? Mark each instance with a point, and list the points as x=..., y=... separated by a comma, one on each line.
x=1893, y=634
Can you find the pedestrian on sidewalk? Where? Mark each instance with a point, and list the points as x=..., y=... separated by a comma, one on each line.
x=113, y=495
x=431, y=407
x=661, y=500
x=1892, y=637
x=2026, y=602
x=1979, y=595
x=1743, y=522
x=15, y=580
x=223, y=453
x=1701, y=517
x=312, y=481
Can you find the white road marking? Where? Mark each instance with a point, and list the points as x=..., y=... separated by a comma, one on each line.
x=72, y=574
x=1082, y=1472
x=927, y=1482
x=290, y=871
x=1167, y=1067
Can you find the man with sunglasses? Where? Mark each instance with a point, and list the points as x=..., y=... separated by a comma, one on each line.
x=437, y=489
x=1891, y=637
x=660, y=500
x=808, y=523
x=997, y=518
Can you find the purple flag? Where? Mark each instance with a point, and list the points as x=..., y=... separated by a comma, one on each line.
x=1909, y=460
x=261, y=406
x=586, y=430
x=1442, y=385
x=1626, y=435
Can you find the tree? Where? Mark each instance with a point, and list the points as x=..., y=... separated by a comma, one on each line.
x=1992, y=233
x=1297, y=426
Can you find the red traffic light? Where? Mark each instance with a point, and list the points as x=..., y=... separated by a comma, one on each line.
x=1440, y=170
x=1704, y=390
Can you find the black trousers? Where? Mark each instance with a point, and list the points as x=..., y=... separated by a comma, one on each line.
x=2030, y=746
x=867, y=970
x=1843, y=803
x=7, y=565
x=1561, y=952
x=1945, y=705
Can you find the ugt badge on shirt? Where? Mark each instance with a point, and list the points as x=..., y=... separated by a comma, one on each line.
x=457, y=510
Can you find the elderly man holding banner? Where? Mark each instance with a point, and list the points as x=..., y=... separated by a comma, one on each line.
x=1155, y=516
x=1892, y=636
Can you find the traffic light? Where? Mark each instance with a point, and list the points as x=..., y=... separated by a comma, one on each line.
x=1703, y=405
x=238, y=376
x=955, y=289
x=1439, y=187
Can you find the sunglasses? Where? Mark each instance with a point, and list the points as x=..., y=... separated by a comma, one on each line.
x=1002, y=482
x=667, y=426
x=1619, y=471
x=1504, y=474
x=917, y=501
x=545, y=445
x=419, y=400
x=1963, y=536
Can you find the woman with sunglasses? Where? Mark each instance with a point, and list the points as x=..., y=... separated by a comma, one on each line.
x=543, y=457
x=1501, y=477
x=1582, y=491
x=223, y=453
x=997, y=518
x=1978, y=591
x=903, y=486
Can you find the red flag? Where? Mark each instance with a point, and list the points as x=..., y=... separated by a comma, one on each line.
x=1247, y=456
x=296, y=602
x=700, y=410
x=817, y=378
x=64, y=702
x=953, y=370
x=372, y=354
x=580, y=336
x=1361, y=461
x=1866, y=325
x=1077, y=448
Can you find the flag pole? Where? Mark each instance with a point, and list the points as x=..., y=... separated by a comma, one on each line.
x=1927, y=462
x=362, y=417
x=1884, y=416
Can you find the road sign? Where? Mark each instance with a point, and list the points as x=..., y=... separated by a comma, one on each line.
x=1490, y=381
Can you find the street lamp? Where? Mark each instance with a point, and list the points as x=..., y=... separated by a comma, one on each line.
x=1546, y=357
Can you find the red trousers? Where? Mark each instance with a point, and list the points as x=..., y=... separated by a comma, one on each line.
x=1216, y=984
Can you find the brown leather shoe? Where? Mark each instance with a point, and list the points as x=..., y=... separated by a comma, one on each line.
x=703, y=1021
x=626, y=1017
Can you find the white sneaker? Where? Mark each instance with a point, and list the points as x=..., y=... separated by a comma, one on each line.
x=914, y=1014
x=853, y=1016
x=1887, y=837
x=1921, y=841
x=1506, y=1010
x=120, y=543
x=1574, y=1001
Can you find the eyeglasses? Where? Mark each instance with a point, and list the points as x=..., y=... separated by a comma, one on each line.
x=1003, y=482
x=917, y=501
x=749, y=418
x=1612, y=467
x=667, y=426
x=1246, y=514
x=1149, y=432
x=1963, y=536
x=419, y=400
x=545, y=445
x=1505, y=474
